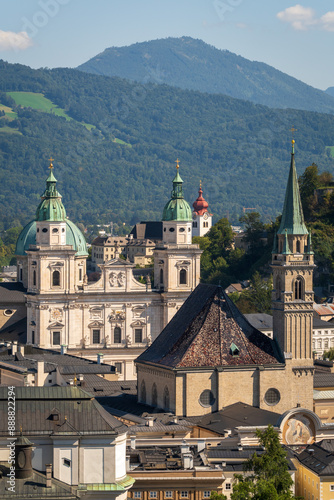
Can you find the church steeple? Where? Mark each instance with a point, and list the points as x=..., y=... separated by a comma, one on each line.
x=177, y=208
x=51, y=207
x=292, y=220
x=293, y=264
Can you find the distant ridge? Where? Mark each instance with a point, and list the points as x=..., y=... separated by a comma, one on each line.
x=193, y=64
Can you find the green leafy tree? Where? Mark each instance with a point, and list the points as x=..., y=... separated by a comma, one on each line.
x=267, y=475
x=329, y=354
x=308, y=182
x=259, y=293
x=217, y=496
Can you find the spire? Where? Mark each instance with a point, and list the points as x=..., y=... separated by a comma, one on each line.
x=286, y=248
x=51, y=207
x=275, y=246
x=177, y=191
x=292, y=217
x=200, y=204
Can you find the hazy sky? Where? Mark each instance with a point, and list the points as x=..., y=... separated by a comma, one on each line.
x=294, y=38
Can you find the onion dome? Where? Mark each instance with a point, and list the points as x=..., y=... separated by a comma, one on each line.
x=200, y=205
x=177, y=208
x=51, y=209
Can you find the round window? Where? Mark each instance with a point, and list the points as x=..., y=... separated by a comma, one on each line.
x=181, y=229
x=171, y=229
x=206, y=398
x=272, y=397
x=55, y=230
x=44, y=230
x=63, y=230
x=8, y=312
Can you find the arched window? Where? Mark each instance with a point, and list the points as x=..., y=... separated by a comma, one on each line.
x=161, y=276
x=34, y=278
x=298, y=288
x=154, y=395
x=56, y=278
x=298, y=246
x=143, y=392
x=183, y=277
x=117, y=335
x=166, y=398
x=319, y=344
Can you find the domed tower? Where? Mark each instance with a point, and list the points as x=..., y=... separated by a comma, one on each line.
x=202, y=219
x=51, y=259
x=176, y=216
x=177, y=260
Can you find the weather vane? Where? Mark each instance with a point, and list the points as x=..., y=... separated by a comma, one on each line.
x=293, y=130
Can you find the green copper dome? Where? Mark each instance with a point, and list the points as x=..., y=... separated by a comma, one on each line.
x=51, y=207
x=177, y=209
x=74, y=237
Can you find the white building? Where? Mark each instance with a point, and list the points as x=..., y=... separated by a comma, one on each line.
x=116, y=315
x=202, y=219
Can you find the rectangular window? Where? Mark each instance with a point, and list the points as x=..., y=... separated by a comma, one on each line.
x=80, y=274
x=138, y=335
x=228, y=486
x=67, y=462
x=137, y=494
x=153, y=494
x=183, y=494
x=33, y=336
x=56, y=338
x=118, y=367
x=206, y=494
x=332, y=487
x=96, y=336
x=168, y=494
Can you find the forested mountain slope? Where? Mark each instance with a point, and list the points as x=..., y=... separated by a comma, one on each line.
x=120, y=166
x=192, y=64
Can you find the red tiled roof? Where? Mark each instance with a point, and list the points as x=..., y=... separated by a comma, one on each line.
x=203, y=331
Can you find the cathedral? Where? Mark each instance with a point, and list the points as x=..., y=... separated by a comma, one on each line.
x=209, y=356
x=116, y=317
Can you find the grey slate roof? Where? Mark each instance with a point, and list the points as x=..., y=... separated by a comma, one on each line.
x=34, y=487
x=235, y=415
x=12, y=292
x=318, y=458
x=148, y=230
x=323, y=379
x=15, y=332
x=203, y=331
x=260, y=321
x=79, y=413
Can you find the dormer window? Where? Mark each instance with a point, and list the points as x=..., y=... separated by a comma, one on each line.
x=234, y=350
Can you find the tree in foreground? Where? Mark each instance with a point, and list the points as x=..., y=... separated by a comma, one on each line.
x=268, y=475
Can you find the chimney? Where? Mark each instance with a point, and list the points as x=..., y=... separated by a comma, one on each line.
x=149, y=421
x=63, y=349
x=99, y=358
x=21, y=349
x=187, y=460
x=133, y=442
x=14, y=347
x=127, y=463
x=175, y=420
x=200, y=445
x=71, y=381
x=184, y=447
x=48, y=470
x=40, y=374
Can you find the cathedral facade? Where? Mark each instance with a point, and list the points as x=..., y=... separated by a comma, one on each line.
x=116, y=317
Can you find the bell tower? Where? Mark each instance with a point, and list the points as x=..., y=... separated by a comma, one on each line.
x=293, y=265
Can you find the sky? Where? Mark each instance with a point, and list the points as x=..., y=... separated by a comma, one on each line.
x=294, y=38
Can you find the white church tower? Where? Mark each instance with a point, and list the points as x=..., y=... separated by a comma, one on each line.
x=202, y=219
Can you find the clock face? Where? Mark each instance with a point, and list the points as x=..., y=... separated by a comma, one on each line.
x=205, y=216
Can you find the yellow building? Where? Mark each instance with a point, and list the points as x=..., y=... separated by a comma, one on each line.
x=315, y=471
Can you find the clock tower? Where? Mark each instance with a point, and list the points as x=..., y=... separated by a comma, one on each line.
x=202, y=219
